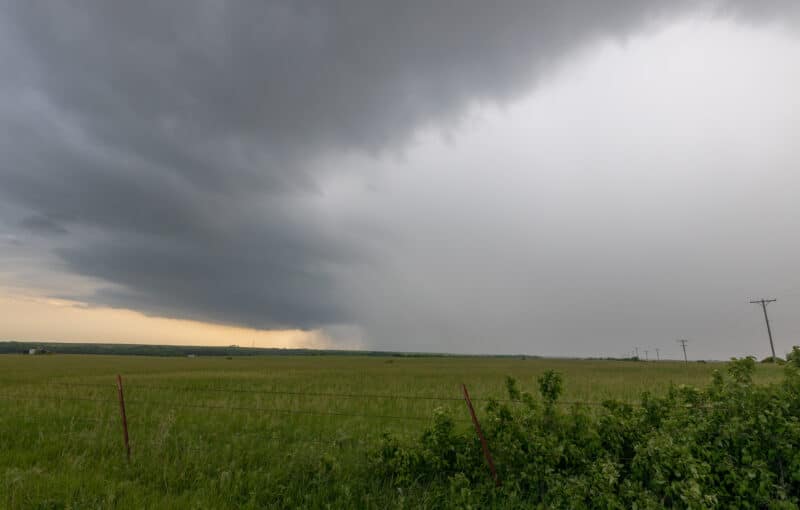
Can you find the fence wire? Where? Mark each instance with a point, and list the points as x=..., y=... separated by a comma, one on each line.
x=364, y=396
x=137, y=404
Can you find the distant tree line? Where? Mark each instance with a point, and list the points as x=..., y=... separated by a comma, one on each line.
x=181, y=350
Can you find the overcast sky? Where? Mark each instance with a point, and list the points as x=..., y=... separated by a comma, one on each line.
x=560, y=178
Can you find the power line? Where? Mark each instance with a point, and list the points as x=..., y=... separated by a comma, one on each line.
x=683, y=343
x=764, y=302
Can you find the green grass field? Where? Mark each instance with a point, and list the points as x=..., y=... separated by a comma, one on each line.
x=255, y=432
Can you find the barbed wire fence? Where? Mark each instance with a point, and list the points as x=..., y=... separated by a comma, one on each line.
x=137, y=409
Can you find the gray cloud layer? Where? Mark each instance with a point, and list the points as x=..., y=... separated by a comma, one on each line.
x=174, y=150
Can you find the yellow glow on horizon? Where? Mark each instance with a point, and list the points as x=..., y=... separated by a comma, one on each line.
x=39, y=319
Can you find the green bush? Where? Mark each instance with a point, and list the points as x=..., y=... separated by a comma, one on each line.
x=733, y=444
x=794, y=356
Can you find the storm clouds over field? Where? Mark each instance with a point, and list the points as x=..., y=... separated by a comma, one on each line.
x=565, y=177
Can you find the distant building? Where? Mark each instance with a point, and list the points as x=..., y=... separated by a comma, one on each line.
x=191, y=356
x=34, y=351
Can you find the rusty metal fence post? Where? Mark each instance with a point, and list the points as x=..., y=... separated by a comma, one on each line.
x=124, y=417
x=486, y=453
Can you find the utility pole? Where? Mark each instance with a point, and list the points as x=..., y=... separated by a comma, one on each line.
x=764, y=303
x=637, y=352
x=645, y=355
x=683, y=344
x=658, y=355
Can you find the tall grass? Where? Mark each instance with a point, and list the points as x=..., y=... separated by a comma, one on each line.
x=252, y=432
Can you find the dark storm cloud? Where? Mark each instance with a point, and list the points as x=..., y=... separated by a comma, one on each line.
x=242, y=278
x=177, y=142
x=42, y=225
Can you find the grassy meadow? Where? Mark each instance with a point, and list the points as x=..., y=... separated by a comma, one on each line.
x=256, y=432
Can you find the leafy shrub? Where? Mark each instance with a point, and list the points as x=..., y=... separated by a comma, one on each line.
x=550, y=385
x=733, y=445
